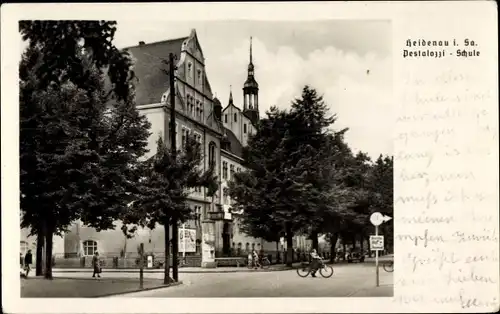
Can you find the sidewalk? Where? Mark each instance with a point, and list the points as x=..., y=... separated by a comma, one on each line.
x=193, y=270
x=38, y=287
x=382, y=291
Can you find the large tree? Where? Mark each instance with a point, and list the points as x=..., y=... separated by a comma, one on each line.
x=163, y=189
x=81, y=136
x=291, y=164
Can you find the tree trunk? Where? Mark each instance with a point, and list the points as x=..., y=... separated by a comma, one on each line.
x=367, y=238
x=361, y=243
x=48, y=253
x=175, y=250
x=333, y=243
x=344, y=247
x=166, y=277
x=315, y=241
x=39, y=254
x=289, y=246
x=277, y=251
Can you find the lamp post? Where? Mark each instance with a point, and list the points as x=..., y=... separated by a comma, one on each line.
x=175, y=226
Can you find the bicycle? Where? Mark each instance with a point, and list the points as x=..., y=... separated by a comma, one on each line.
x=326, y=271
x=388, y=267
x=263, y=263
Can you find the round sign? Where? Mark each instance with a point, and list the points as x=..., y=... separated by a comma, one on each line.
x=377, y=219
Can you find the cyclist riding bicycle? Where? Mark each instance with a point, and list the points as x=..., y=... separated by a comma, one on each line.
x=315, y=263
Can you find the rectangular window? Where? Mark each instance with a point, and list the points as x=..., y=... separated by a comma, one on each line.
x=225, y=118
x=231, y=171
x=235, y=117
x=245, y=128
x=224, y=169
x=211, y=155
x=185, y=134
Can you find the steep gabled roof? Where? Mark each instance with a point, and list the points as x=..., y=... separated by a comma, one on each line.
x=149, y=64
x=236, y=148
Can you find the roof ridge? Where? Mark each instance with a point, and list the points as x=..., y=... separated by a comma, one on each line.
x=158, y=42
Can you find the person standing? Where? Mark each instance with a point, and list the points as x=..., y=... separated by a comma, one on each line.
x=255, y=258
x=28, y=260
x=97, y=265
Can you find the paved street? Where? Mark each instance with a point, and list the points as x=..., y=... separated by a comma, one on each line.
x=354, y=280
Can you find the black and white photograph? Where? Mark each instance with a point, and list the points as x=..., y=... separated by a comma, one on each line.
x=206, y=159
x=249, y=157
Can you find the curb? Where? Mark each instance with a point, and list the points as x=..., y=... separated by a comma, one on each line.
x=180, y=272
x=173, y=284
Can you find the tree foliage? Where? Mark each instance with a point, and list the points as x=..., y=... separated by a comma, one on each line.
x=80, y=140
x=311, y=183
x=164, y=186
x=294, y=187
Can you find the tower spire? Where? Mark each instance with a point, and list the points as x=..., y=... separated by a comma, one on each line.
x=230, y=94
x=251, y=61
x=251, y=91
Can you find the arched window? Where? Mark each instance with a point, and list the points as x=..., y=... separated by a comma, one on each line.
x=89, y=247
x=235, y=117
x=211, y=154
x=24, y=247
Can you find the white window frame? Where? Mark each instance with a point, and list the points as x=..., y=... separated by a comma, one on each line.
x=85, y=248
x=225, y=174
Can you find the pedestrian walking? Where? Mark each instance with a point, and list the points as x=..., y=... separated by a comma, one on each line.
x=96, y=263
x=250, y=259
x=255, y=258
x=28, y=260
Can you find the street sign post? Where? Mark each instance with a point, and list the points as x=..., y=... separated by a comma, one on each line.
x=377, y=219
x=377, y=243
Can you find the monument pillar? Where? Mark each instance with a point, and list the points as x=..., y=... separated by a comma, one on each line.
x=208, y=244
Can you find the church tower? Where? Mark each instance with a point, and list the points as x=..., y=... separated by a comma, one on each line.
x=251, y=93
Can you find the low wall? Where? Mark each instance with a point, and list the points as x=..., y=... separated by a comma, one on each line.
x=120, y=262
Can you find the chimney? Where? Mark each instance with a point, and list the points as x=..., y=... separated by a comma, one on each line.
x=141, y=43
